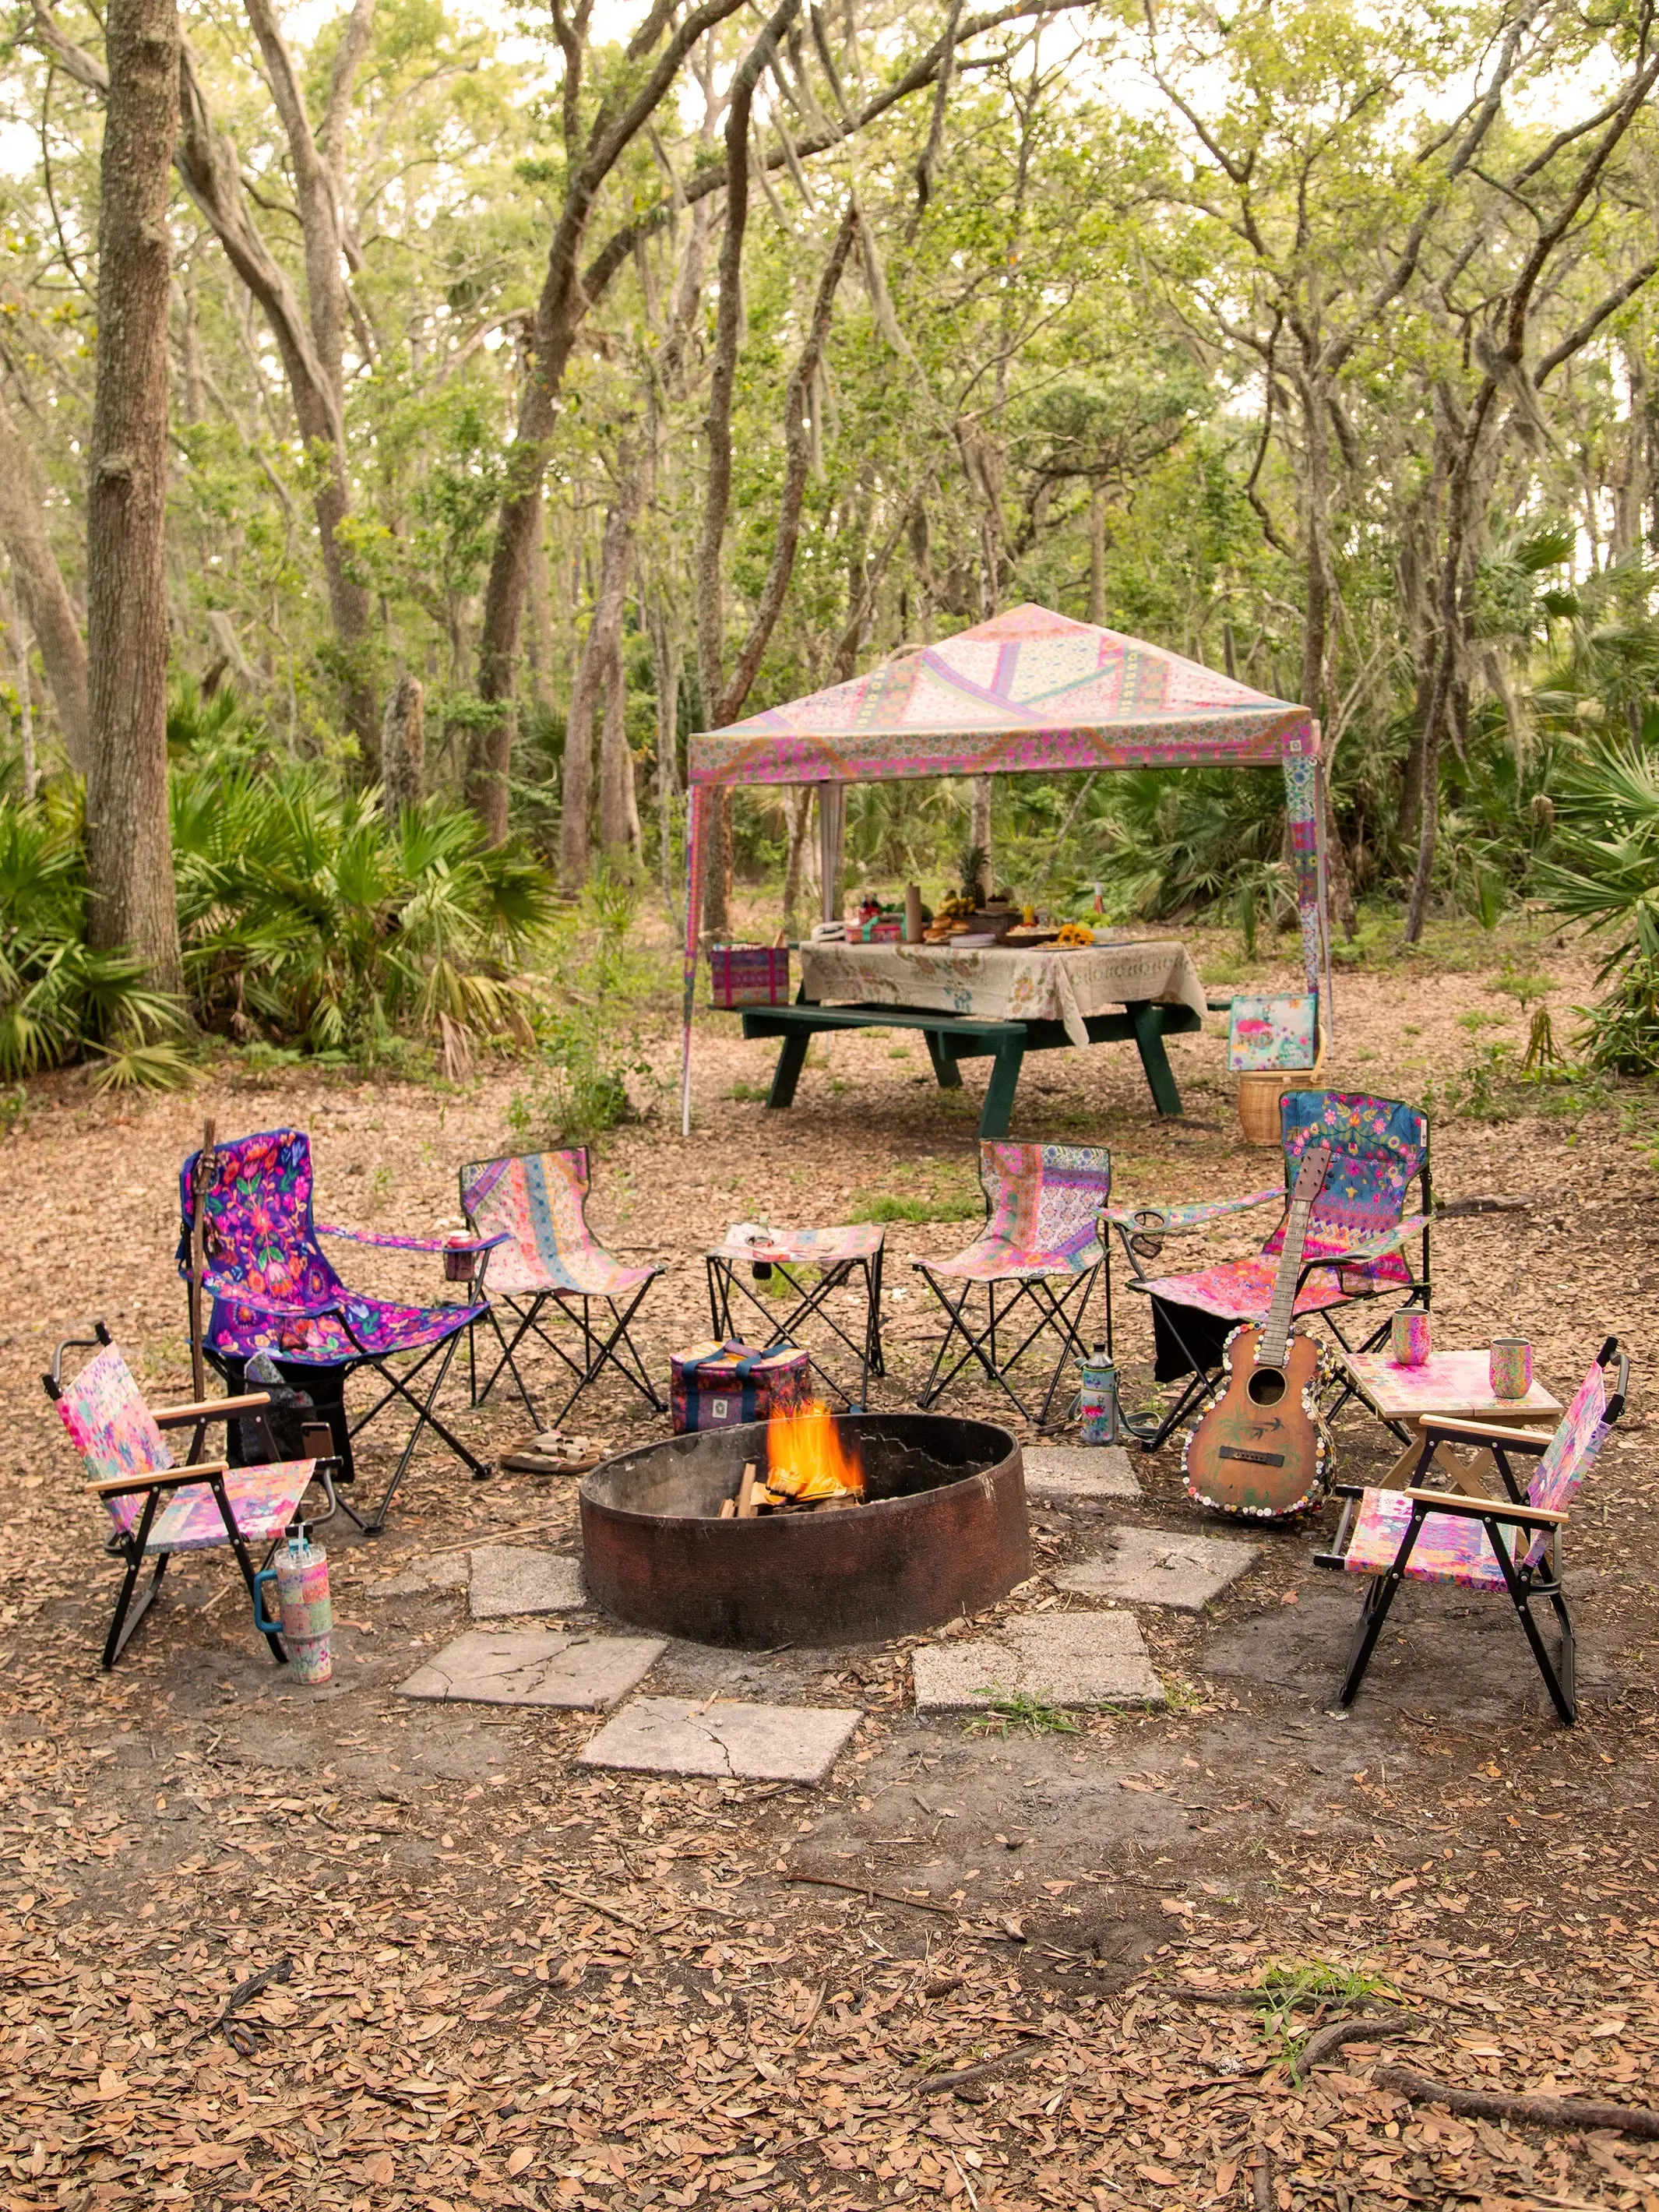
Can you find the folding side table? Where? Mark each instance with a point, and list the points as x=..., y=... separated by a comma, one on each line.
x=1449, y=1385
x=813, y=1264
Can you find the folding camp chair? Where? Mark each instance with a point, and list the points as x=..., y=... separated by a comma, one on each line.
x=531, y=1206
x=1043, y=1225
x=1439, y=1536
x=158, y=1507
x=273, y=1290
x=1355, y=1249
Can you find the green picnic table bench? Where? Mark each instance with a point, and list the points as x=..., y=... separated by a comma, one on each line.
x=953, y=1037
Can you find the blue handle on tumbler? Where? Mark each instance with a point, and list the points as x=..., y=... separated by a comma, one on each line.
x=266, y=1627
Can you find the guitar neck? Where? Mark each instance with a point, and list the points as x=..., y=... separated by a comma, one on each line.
x=1276, y=1332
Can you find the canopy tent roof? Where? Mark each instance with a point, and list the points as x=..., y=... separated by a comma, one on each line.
x=1028, y=692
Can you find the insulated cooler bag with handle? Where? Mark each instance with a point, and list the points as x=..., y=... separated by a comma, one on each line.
x=716, y=1386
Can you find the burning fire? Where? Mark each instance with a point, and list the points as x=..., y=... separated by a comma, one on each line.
x=806, y=1460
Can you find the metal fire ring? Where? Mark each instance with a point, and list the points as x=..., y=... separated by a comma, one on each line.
x=944, y=1532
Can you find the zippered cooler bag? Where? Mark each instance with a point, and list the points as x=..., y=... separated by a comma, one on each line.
x=716, y=1386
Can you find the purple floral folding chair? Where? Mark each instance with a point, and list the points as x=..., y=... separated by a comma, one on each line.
x=157, y=1506
x=273, y=1290
x=1509, y=1544
x=1041, y=1248
x=532, y=1207
x=1356, y=1248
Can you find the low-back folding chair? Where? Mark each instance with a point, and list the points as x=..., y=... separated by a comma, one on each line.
x=1509, y=1544
x=1355, y=1252
x=1043, y=1229
x=158, y=1507
x=272, y=1290
x=531, y=1209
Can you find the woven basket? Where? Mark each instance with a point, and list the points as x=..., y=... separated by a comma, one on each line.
x=1260, y=1092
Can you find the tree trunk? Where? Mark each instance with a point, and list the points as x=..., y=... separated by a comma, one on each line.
x=619, y=813
x=604, y=636
x=979, y=830
x=44, y=596
x=794, y=873
x=1097, y=555
x=403, y=747
x=129, y=844
x=537, y=593
x=17, y=636
x=666, y=659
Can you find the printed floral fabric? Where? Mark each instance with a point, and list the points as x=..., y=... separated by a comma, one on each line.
x=1264, y=1034
x=1241, y=1290
x=1045, y=1203
x=1378, y=1146
x=1449, y=1547
x=258, y=1238
x=537, y=1200
x=1151, y=1220
x=262, y=1501
x=804, y=1247
x=1573, y=1450
x=109, y=1424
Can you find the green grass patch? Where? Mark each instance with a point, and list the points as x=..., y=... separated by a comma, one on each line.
x=1014, y=1712
x=937, y=1205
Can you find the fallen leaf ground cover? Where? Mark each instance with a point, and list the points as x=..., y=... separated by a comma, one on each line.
x=514, y=1982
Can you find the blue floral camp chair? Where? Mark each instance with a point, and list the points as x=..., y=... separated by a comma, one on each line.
x=157, y=1506
x=1356, y=1250
x=1509, y=1544
x=1041, y=1246
x=272, y=1290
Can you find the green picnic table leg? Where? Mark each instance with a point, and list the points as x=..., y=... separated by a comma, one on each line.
x=786, y=1075
x=999, y=1091
x=943, y=1060
x=1149, y=1038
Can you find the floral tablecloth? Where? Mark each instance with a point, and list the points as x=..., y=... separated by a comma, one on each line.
x=1001, y=983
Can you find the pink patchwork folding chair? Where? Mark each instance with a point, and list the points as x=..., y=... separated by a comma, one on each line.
x=813, y=1265
x=158, y=1507
x=1477, y=1543
x=1357, y=1241
x=531, y=1208
x=1043, y=1205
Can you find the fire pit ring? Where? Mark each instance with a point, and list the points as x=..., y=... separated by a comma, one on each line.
x=942, y=1532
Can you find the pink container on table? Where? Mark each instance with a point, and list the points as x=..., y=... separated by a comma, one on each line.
x=1510, y=1367
x=1411, y=1338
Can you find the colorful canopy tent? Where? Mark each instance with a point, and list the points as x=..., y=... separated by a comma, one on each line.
x=1028, y=693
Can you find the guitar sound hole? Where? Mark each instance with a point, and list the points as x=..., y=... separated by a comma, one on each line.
x=1267, y=1386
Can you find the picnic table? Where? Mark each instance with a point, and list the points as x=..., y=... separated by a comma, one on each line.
x=992, y=1001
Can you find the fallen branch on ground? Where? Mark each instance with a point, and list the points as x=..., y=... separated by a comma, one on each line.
x=864, y=1889
x=965, y=2076
x=1542, y=2111
x=1358, y=2028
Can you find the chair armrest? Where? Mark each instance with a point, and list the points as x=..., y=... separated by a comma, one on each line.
x=1370, y=1247
x=1171, y=1220
x=1448, y=1426
x=414, y=1243
x=215, y=1409
x=233, y=1294
x=172, y=1477
x=1486, y=1509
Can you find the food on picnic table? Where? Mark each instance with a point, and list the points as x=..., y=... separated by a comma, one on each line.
x=1074, y=934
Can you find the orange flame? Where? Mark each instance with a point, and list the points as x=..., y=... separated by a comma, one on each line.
x=805, y=1458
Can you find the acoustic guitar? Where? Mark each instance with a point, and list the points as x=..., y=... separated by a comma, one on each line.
x=1260, y=1448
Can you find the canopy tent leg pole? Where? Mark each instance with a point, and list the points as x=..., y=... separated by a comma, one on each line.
x=696, y=817
x=1322, y=833
x=832, y=837
x=1302, y=799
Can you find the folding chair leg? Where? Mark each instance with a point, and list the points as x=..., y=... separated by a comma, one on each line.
x=128, y=1615
x=1560, y=1680
x=1373, y=1613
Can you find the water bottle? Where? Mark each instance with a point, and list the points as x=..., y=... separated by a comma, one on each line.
x=306, y=1610
x=1097, y=1398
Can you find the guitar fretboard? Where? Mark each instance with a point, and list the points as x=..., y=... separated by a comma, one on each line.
x=1275, y=1335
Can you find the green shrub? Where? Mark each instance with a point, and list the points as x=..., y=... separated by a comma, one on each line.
x=590, y=1050
x=1602, y=870
x=60, y=1001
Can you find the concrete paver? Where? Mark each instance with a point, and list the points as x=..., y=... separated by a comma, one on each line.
x=511, y=1578
x=1079, y=1475
x=749, y=1743
x=548, y=1668
x=1147, y=1566
x=1063, y=1658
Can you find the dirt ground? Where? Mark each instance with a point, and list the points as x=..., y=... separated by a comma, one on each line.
x=513, y=1982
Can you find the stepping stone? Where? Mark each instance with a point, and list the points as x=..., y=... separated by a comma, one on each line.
x=450, y=1573
x=748, y=1743
x=1144, y=1566
x=1064, y=1658
x=752, y=1743
x=548, y=1669
x=509, y=1579
x=1077, y=1474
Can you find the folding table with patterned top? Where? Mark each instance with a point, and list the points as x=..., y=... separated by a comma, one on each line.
x=814, y=1264
x=1448, y=1386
